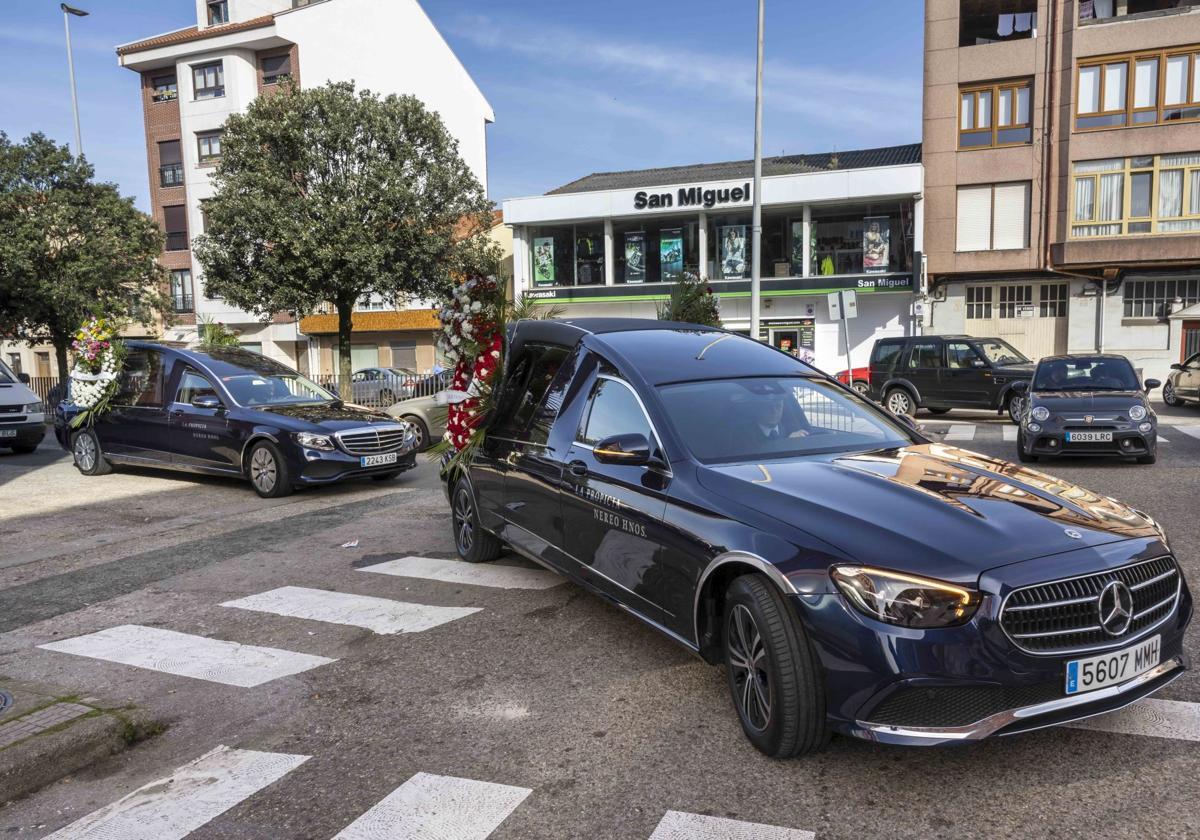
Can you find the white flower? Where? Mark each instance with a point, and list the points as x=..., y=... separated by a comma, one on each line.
x=476, y=306
x=495, y=354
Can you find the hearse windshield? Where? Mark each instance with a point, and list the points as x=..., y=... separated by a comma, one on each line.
x=1085, y=375
x=759, y=419
x=1001, y=352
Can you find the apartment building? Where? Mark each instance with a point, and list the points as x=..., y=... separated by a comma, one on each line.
x=193, y=78
x=1062, y=175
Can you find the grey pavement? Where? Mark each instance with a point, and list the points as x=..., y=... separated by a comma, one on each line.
x=548, y=712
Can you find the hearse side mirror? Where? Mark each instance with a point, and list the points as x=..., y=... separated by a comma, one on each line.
x=1151, y=384
x=1021, y=386
x=632, y=449
x=1176, y=366
x=206, y=401
x=23, y=378
x=978, y=363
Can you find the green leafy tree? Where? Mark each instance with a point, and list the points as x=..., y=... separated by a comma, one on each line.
x=70, y=248
x=215, y=334
x=691, y=301
x=325, y=195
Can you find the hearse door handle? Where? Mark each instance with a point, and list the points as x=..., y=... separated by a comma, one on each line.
x=578, y=468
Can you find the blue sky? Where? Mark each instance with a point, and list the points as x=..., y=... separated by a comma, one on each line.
x=577, y=87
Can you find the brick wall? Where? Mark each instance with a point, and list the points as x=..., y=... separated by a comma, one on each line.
x=162, y=123
x=293, y=51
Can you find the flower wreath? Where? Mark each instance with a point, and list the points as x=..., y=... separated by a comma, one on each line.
x=472, y=340
x=95, y=377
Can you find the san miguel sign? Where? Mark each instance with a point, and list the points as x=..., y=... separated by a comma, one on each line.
x=692, y=197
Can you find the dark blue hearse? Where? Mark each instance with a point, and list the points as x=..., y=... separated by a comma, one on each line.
x=228, y=411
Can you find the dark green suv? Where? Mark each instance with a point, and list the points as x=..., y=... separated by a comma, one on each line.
x=941, y=372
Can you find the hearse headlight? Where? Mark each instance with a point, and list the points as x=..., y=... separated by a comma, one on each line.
x=1137, y=412
x=1040, y=414
x=906, y=600
x=34, y=408
x=311, y=441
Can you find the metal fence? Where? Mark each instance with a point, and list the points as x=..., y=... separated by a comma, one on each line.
x=379, y=388
x=51, y=389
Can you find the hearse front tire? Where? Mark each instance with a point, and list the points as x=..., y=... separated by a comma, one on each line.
x=268, y=472
x=774, y=678
x=473, y=544
x=89, y=457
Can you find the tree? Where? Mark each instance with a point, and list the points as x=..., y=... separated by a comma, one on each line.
x=70, y=248
x=692, y=301
x=325, y=195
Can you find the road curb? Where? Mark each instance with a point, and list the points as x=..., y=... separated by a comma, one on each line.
x=61, y=736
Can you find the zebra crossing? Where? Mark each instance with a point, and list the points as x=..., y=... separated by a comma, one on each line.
x=954, y=432
x=426, y=806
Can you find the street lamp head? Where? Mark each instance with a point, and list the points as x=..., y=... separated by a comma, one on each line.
x=71, y=10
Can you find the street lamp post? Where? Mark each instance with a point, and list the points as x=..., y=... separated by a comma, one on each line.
x=756, y=218
x=67, y=12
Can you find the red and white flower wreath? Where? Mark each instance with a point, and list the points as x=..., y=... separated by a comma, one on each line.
x=471, y=339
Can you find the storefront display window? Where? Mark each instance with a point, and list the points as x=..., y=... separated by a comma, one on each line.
x=729, y=247
x=567, y=255
x=870, y=239
x=589, y=255
x=655, y=250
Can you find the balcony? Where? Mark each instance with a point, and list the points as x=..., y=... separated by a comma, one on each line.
x=182, y=303
x=170, y=175
x=1106, y=11
x=177, y=241
x=992, y=22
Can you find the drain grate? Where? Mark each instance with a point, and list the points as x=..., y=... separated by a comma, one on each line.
x=6, y=701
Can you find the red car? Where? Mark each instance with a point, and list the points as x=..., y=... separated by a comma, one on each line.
x=858, y=378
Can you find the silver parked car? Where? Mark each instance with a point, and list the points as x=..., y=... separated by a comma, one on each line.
x=426, y=416
x=379, y=386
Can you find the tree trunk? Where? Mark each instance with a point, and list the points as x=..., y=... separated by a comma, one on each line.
x=345, y=363
x=60, y=356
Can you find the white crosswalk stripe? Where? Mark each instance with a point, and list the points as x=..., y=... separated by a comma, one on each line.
x=678, y=825
x=961, y=431
x=475, y=574
x=1009, y=433
x=380, y=615
x=1190, y=431
x=1158, y=718
x=173, y=807
x=185, y=655
x=429, y=807
x=1161, y=439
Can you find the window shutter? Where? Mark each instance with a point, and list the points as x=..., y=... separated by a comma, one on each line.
x=168, y=153
x=175, y=218
x=974, y=221
x=1011, y=227
x=277, y=65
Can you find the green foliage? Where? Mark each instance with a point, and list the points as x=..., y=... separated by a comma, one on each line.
x=215, y=334
x=691, y=301
x=70, y=248
x=324, y=195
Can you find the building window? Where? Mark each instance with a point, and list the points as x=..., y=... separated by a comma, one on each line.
x=991, y=21
x=181, y=290
x=208, y=146
x=165, y=88
x=276, y=68
x=170, y=164
x=175, y=218
x=1090, y=10
x=14, y=362
x=218, y=12
x=995, y=115
x=979, y=302
x=1016, y=301
x=1151, y=298
x=993, y=217
x=570, y=255
x=1053, y=300
x=208, y=80
x=1123, y=196
x=1126, y=90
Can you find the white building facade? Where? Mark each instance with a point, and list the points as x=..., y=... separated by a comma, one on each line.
x=613, y=244
x=193, y=79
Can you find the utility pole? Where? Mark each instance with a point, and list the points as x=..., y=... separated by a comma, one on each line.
x=756, y=218
x=68, y=11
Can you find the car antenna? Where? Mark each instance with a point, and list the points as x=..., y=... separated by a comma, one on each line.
x=700, y=355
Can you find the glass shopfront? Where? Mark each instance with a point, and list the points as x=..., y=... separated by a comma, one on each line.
x=655, y=250
x=567, y=255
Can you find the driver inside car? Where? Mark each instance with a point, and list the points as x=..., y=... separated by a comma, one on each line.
x=768, y=421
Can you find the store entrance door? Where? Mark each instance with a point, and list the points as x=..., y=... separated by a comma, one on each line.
x=786, y=340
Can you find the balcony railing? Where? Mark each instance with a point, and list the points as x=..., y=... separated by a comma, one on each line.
x=182, y=302
x=171, y=175
x=177, y=241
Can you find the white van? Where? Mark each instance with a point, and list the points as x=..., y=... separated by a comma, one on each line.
x=22, y=414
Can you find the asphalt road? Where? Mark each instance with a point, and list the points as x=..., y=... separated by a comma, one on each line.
x=580, y=721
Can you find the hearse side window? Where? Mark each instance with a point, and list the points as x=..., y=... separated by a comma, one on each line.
x=884, y=355
x=552, y=403
x=194, y=385
x=614, y=411
x=529, y=376
x=141, y=380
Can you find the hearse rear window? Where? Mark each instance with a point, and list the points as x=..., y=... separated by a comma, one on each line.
x=529, y=376
x=141, y=379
